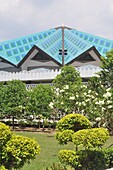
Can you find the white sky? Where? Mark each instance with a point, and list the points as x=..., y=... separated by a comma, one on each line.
x=23, y=17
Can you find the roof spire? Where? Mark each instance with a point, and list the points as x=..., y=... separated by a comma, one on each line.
x=62, y=25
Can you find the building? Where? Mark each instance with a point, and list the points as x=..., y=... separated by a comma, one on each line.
x=38, y=57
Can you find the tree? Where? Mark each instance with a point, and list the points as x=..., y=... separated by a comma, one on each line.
x=2, y=98
x=15, y=150
x=67, y=91
x=106, y=74
x=102, y=85
x=39, y=100
x=68, y=76
x=14, y=99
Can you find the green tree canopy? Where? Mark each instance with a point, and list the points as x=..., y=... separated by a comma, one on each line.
x=106, y=74
x=14, y=96
x=69, y=76
x=67, y=88
x=13, y=99
x=39, y=100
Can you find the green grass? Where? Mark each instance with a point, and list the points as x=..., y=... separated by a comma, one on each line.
x=49, y=150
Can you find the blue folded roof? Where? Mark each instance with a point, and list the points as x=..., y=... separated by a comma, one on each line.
x=50, y=41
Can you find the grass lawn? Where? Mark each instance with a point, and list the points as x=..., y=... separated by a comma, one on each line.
x=49, y=150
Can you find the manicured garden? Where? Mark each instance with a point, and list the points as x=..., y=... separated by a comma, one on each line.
x=49, y=150
x=82, y=115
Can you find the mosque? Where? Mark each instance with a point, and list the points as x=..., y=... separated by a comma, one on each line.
x=37, y=58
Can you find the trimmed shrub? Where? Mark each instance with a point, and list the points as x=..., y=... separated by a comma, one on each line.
x=109, y=157
x=64, y=137
x=5, y=134
x=56, y=167
x=92, y=159
x=89, y=138
x=21, y=149
x=15, y=150
x=2, y=168
x=73, y=122
x=69, y=157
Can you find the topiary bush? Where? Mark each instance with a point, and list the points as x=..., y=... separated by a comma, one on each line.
x=109, y=157
x=15, y=150
x=56, y=167
x=77, y=128
x=92, y=159
x=5, y=134
x=73, y=122
x=2, y=168
x=65, y=136
x=90, y=138
x=69, y=157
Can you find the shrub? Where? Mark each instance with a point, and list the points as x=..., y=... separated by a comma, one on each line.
x=57, y=167
x=92, y=159
x=21, y=149
x=15, y=150
x=64, y=137
x=5, y=134
x=90, y=138
x=73, y=122
x=69, y=157
x=2, y=168
x=109, y=157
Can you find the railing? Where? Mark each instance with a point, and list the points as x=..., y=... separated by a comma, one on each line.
x=44, y=75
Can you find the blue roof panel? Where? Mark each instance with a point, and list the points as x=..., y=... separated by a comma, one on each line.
x=102, y=45
x=50, y=41
x=15, y=50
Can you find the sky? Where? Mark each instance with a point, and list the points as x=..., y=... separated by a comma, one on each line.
x=22, y=17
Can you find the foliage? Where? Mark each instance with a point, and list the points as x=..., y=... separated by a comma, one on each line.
x=69, y=157
x=98, y=105
x=109, y=157
x=39, y=99
x=50, y=150
x=2, y=168
x=57, y=167
x=2, y=104
x=15, y=96
x=64, y=136
x=5, y=135
x=67, y=87
x=106, y=74
x=13, y=99
x=15, y=150
x=68, y=76
x=94, y=159
x=90, y=138
x=73, y=122
x=21, y=149
x=102, y=84
x=69, y=99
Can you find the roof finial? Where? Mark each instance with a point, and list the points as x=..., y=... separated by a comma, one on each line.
x=62, y=25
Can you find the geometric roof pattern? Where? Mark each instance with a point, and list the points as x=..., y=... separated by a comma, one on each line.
x=50, y=41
